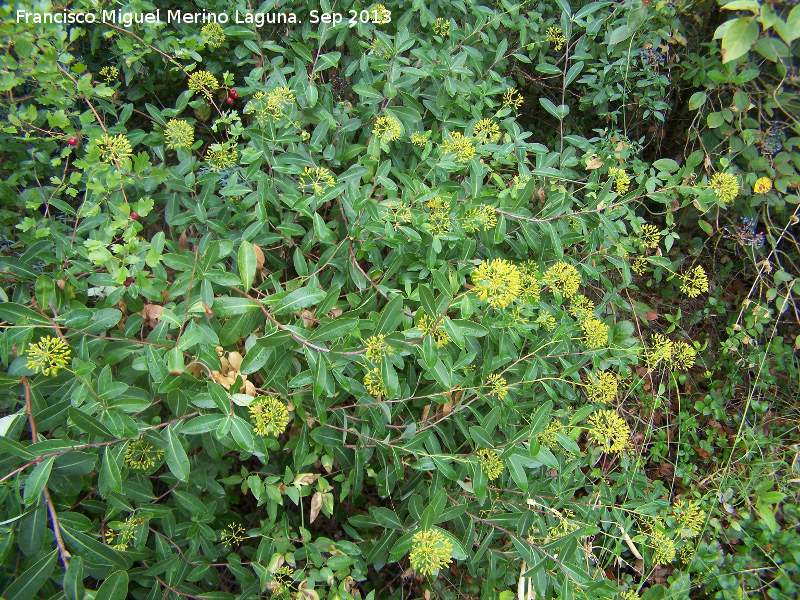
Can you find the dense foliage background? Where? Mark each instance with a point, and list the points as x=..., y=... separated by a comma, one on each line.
x=458, y=300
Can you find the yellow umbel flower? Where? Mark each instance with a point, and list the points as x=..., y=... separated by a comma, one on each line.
x=48, y=355
x=270, y=415
x=114, y=148
x=284, y=577
x=213, y=36
x=442, y=27
x=763, y=185
x=498, y=281
x=110, y=74
x=278, y=100
x=563, y=278
x=683, y=356
x=689, y=517
x=686, y=554
x=142, y=455
x=318, y=179
x=602, y=387
x=380, y=15
x=531, y=287
x=377, y=348
x=204, y=82
x=609, y=431
x=232, y=534
x=621, y=179
x=459, y=145
x=490, y=463
x=663, y=548
x=420, y=138
x=512, y=98
x=485, y=131
x=178, y=134
x=581, y=307
x=556, y=37
x=483, y=217
x=595, y=333
x=387, y=129
x=726, y=186
x=629, y=595
x=440, y=337
x=379, y=49
x=649, y=236
x=430, y=551
x=438, y=220
x=374, y=383
x=548, y=320
x=221, y=159
x=694, y=282
x=660, y=350
x=639, y=265
x=499, y=387
x=564, y=527
x=547, y=437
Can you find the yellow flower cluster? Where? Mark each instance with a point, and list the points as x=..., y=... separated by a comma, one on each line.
x=278, y=100
x=639, y=265
x=114, y=148
x=581, y=307
x=689, y=517
x=609, y=431
x=621, y=179
x=663, y=548
x=595, y=333
x=387, y=129
x=686, y=553
x=420, y=138
x=442, y=27
x=110, y=74
x=430, y=551
x=531, y=288
x=270, y=415
x=556, y=37
x=694, y=282
x=602, y=387
x=379, y=49
x=726, y=186
x=377, y=348
x=374, y=383
x=762, y=186
x=395, y=210
x=649, y=236
x=563, y=278
x=178, y=134
x=483, y=217
x=48, y=355
x=498, y=384
x=490, y=463
x=512, y=98
x=678, y=356
x=564, y=527
x=222, y=158
x=438, y=220
x=317, y=179
x=127, y=531
x=486, y=131
x=459, y=145
x=141, y=455
x=548, y=320
x=440, y=336
x=498, y=281
x=380, y=14
x=232, y=534
x=213, y=35
x=547, y=437
x=204, y=82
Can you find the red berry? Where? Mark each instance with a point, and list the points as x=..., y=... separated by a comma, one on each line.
x=72, y=142
x=129, y=282
x=234, y=94
x=229, y=99
x=135, y=216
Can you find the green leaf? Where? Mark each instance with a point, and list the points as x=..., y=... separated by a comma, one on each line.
x=73, y=579
x=25, y=586
x=386, y=517
x=739, y=38
x=247, y=265
x=177, y=461
x=559, y=112
x=298, y=300
x=697, y=100
x=114, y=588
x=228, y=307
x=335, y=329
x=366, y=91
x=620, y=34
x=37, y=480
x=391, y=316
x=110, y=479
x=481, y=437
x=470, y=328
x=88, y=423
